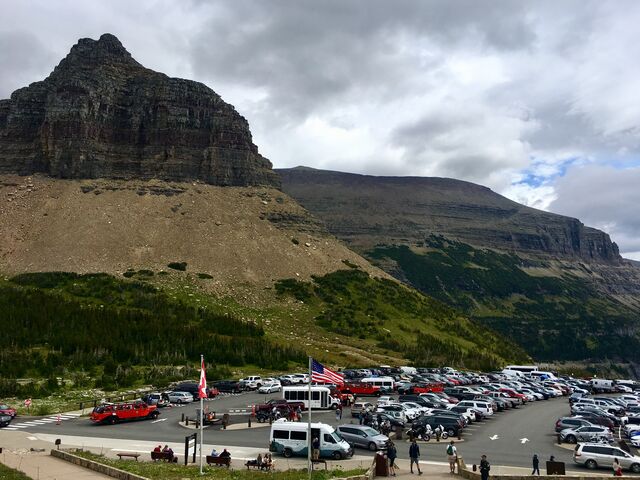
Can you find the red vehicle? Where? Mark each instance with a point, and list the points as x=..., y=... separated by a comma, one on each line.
x=7, y=410
x=213, y=392
x=426, y=388
x=362, y=389
x=514, y=394
x=122, y=412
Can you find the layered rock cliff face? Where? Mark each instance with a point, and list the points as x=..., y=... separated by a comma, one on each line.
x=367, y=210
x=100, y=114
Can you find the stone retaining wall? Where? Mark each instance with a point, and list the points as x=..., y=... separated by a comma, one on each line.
x=95, y=466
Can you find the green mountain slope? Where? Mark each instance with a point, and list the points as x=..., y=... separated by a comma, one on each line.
x=551, y=317
x=400, y=319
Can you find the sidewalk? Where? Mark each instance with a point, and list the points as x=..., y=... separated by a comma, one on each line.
x=17, y=453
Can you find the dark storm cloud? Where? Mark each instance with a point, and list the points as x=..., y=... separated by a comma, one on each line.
x=307, y=53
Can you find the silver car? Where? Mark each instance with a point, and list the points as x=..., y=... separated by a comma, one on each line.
x=587, y=433
x=594, y=455
x=363, y=436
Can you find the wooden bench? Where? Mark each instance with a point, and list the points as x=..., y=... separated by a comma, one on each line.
x=164, y=456
x=319, y=460
x=219, y=461
x=252, y=464
x=130, y=455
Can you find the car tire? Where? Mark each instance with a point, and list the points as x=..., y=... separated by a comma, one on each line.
x=451, y=432
x=336, y=455
x=372, y=446
x=571, y=439
x=155, y=414
x=112, y=420
x=591, y=464
x=635, y=467
x=287, y=452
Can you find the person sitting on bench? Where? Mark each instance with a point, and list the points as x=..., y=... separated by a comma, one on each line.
x=225, y=454
x=158, y=449
x=267, y=462
x=168, y=451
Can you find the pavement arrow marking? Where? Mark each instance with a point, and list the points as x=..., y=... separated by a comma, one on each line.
x=495, y=437
x=159, y=420
x=524, y=440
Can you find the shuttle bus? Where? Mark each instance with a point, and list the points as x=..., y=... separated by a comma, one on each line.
x=320, y=396
x=522, y=368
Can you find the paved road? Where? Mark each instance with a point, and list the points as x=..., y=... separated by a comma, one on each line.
x=534, y=422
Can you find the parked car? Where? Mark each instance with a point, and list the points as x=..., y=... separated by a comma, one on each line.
x=452, y=426
x=587, y=433
x=5, y=419
x=156, y=399
x=7, y=410
x=180, y=397
x=594, y=455
x=571, y=422
x=363, y=436
x=358, y=407
x=269, y=388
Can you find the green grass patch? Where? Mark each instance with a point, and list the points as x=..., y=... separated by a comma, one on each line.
x=166, y=471
x=7, y=473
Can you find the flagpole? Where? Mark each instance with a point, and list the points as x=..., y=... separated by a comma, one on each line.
x=309, y=421
x=201, y=412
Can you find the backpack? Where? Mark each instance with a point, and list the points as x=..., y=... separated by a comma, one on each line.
x=450, y=450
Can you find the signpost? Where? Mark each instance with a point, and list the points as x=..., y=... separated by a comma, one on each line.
x=190, y=441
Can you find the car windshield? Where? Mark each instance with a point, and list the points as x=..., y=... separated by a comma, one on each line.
x=4, y=407
x=370, y=432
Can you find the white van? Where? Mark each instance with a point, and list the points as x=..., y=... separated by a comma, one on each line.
x=290, y=438
x=385, y=383
x=600, y=385
x=513, y=373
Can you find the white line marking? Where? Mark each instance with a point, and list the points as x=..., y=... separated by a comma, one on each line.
x=159, y=420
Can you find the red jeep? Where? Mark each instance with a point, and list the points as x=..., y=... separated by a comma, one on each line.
x=121, y=412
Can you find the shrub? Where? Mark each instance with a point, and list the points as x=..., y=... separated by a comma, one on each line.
x=182, y=266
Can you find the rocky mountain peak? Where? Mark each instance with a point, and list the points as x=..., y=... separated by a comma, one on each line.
x=106, y=50
x=101, y=114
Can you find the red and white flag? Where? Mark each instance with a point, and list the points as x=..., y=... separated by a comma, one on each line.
x=202, y=386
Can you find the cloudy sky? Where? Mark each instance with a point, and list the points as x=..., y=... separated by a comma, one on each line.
x=537, y=100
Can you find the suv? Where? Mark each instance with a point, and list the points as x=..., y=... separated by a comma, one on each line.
x=7, y=410
x=571, y=422
x=452, y=425
x=589, y=433
x=363, y=436
x=594, y=455
x=230, y=386
x=361, y=407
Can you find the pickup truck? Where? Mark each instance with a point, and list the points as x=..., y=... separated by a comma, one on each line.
x=280, y=403
x=121, y=412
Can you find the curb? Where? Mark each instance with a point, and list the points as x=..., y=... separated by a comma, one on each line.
x=95, y=466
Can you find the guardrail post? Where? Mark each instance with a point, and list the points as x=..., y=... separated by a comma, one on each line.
x=182, y=420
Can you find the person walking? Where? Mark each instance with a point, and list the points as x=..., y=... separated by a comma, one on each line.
x=452, y=456
x=617, y=469
x=339, y=413
x=392, y=453
x=536, y=465
x=484, y=468
x=414, y=456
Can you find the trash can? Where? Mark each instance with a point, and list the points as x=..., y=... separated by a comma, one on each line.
x=382, y=466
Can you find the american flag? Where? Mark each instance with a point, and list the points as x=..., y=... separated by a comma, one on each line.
x=322, y=374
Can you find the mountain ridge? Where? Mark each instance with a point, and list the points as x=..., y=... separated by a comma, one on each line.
x=101, y=114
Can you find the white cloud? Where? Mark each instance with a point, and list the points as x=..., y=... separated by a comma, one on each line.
x=502, y=93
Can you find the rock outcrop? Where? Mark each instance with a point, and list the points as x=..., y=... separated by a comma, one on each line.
x=100, y=114
x=367, y=210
